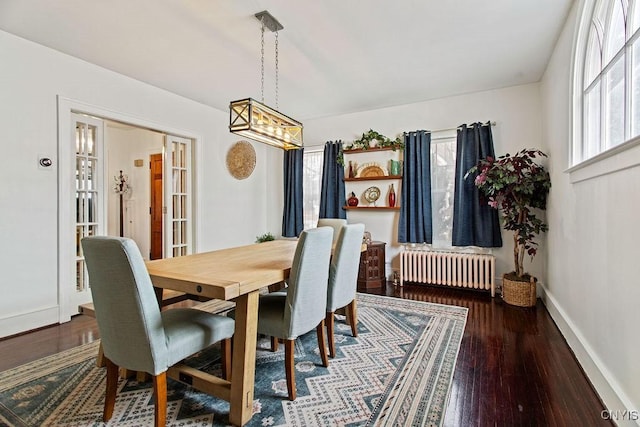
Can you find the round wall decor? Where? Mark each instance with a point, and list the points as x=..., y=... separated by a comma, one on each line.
x=241, y=160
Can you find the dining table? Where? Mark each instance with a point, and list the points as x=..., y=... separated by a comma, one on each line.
x=233, y=274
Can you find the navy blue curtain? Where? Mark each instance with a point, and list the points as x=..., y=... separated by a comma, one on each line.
x=332, y=197
x=292, y=217
x=414, y=225
x=475, y=223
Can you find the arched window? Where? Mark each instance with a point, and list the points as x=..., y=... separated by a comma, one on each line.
x=607, y=77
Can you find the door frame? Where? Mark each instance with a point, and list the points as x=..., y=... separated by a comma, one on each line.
x=66, y=226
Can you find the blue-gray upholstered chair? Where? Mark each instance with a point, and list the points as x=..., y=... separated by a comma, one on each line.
x=135, y=334
x=343, y=277
x=335, y=223
x=302, y=307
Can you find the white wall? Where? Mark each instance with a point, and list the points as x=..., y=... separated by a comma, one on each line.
x=516, y=110
x=229, y=212
x=592, y=287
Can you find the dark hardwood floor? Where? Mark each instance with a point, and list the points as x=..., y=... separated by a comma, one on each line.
x=514, y=367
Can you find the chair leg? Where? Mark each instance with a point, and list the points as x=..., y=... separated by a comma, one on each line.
x=330, y=334
x=274, y=344
x=160, y=392
x=112, y=388
x=225, y=349
x=289, y=368
x=142, y=377
x=321, y=346
x=100, y=363
x=352, y=317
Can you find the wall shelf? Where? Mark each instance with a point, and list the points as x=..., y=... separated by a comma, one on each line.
x=372, y=208
x=371, y=150
x=373, y=178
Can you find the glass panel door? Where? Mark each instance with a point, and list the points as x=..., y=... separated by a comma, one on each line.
x=89, y=199
x=178, y=230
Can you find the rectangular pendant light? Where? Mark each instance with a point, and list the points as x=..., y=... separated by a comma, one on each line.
x=254, y=120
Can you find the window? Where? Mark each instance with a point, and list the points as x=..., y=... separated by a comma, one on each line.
x=312, y=177
x=443, y=168
x=443, y=171
x=609, y=77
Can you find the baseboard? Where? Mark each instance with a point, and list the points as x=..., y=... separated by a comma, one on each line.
x=614, y=399
x=27, y=321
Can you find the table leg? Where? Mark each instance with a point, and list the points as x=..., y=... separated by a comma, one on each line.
x=244, y=359
x=158, y=292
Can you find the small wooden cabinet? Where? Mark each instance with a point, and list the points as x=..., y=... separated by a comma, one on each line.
x=372, y=267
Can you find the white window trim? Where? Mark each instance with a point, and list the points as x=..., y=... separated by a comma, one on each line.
x=614, y=159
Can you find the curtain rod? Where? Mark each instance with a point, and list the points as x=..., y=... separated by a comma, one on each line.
x=430, y=131
x=459, y=127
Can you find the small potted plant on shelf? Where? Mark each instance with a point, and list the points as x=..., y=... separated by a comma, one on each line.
x=518, y=187
x=372, y=139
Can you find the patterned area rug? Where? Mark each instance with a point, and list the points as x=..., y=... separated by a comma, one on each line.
x=398, y=371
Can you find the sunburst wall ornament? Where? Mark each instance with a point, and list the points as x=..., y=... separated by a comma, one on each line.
x=241, y=160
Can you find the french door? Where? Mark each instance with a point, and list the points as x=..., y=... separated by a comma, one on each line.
x=88, y=196
x=84, y=191
x=178, y=239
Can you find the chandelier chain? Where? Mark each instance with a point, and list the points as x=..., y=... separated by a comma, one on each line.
x=277, y=107
x=262, y=62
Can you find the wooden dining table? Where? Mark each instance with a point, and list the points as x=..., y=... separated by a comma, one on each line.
x=234, y=274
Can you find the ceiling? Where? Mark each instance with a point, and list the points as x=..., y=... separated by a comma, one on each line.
x=335, y=56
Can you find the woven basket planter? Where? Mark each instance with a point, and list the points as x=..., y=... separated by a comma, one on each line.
x=522, y=294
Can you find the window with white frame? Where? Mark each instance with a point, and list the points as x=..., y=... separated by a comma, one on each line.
x=443, y=167
x=608, y=67
x=312, y=183
x=443, y=171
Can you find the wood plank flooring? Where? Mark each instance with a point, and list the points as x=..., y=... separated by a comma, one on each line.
x=514, y=367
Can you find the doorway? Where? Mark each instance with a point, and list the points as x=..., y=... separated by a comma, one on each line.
x=88, y=201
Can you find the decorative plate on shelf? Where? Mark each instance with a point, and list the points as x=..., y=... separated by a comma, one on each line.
x=369, y=170
x=372, y=194
x=241, y=160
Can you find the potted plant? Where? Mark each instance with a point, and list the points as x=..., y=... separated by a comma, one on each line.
x=266, y=237
x=518, y=187
x=372, y=139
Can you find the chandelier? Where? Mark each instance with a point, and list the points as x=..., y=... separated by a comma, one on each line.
x=255, y=120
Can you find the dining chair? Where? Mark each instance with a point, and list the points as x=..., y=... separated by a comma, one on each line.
x=135, y=334
x=288, y=315
x=335, y=223
x=343, y=277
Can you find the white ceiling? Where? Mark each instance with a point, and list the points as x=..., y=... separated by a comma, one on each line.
x=336, y=56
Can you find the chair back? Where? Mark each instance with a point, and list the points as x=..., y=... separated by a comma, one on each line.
x=343, y=273
x=335, y=223
x=305, y=306
x=125, y=304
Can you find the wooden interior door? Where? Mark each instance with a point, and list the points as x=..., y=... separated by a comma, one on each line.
x=156, y=167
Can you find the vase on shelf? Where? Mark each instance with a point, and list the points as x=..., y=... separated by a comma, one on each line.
x=351, y=173
x=394, y=168
x=352, y=200
x=392, y=197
